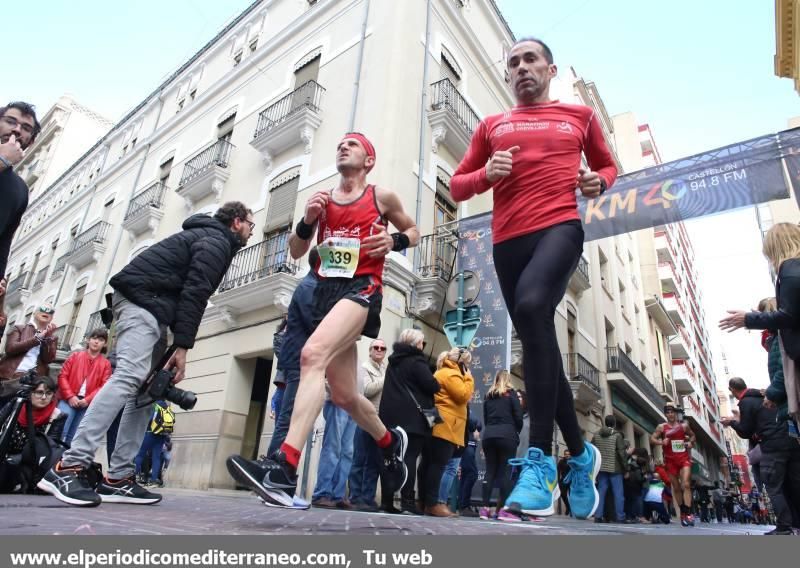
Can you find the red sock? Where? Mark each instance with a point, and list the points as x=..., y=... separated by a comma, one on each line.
x=292, y=455
x=386, y=441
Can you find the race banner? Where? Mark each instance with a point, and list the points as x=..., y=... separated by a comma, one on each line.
x=491, y=346
x=731, y=177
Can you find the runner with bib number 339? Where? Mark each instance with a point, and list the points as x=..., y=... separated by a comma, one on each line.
x=350, y=222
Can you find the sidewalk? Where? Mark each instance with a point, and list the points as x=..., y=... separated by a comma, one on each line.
x=237, y=512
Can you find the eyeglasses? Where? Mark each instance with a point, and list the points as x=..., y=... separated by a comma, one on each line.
x=250, y=223
x=379, y=348
x=42, y=394
x=47, y=310
x=12, y=122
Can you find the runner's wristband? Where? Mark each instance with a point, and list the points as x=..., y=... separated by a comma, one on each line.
x=303, y=230
x=401, y=242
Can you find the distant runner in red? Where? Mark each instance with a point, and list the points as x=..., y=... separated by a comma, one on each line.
x=531, y=157
x=677, y=440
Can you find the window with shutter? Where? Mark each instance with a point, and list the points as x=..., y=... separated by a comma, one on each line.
x=282, y=198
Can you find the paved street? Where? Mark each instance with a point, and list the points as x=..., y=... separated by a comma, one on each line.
x=230, y=512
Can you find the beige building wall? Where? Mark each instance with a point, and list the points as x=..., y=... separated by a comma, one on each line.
x=68, y=130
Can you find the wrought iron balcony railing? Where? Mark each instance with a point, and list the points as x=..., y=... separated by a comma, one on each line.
x=153, y=196
x=619, y=362
x=445, y=96
x=61, y=265
x=583, y=268
x=578, y=368
x=217, y=154
x=308, y=95
x=258, y=261
x=38, y=282
x=436, y=256
x=95, y=322
x=94, y=234
x=66, y=336
x=18, y=283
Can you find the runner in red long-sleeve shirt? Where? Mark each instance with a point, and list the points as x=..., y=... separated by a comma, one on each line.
x=531, y=157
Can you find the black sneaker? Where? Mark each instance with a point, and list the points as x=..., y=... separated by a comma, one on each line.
x=69, y=485
x=393, y=468
x=272, y=479
x=780, y=532
x=126, y=491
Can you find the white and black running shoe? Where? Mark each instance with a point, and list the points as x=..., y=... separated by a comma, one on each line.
x=272, y=479
x=126, y=491
x=393, y=467
x=69, y=485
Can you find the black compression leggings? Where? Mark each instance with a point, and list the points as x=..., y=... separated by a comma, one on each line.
x=534, y=271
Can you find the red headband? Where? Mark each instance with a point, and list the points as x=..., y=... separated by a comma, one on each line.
x=367, y=145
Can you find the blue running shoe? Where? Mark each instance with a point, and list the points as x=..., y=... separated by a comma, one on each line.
x=583, y=496
x=536, y=491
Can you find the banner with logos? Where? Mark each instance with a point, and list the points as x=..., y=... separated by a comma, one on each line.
x=731, y=177
x=491, y=346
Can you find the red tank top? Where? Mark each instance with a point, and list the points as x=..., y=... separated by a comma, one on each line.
x=354, y=220
x=677, y=438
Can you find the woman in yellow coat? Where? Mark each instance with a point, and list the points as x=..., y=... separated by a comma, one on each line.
x=456, y=388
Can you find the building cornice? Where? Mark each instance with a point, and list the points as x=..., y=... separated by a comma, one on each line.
x=787, y=46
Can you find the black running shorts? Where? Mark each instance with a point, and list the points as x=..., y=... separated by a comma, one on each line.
x=363, y=290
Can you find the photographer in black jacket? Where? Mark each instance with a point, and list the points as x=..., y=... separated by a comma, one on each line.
x=166, y=285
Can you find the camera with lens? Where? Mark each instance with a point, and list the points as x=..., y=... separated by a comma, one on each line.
x=161, y=388
x=28, y=379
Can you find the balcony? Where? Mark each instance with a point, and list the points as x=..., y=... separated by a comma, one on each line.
x=206, y=173
x=260, y=276
x=685, y=380
x=625, y=375
x=666, y=391
x=145, y=210
x=579, y=281
x=95, y=322
x=436, y=255
x=584, y=379
x=451, y=118
x=61, y=265
x=658, y=311
x=679, y=345
x=41, y=276
x=289, y=121
x=88, y=246
x=17, y=291
x=675, y=308
x=67, y=338
x=666, y=273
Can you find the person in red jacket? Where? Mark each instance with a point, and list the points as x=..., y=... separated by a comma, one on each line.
x=81, y=377
x=531, y=158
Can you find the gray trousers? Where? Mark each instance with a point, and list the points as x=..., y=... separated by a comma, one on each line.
x=140, y=343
